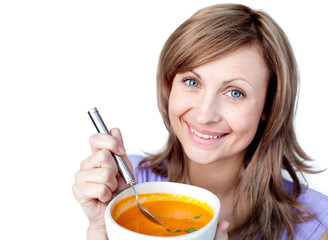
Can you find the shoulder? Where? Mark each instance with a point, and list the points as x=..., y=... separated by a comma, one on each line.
x=143, y=174
x=317, y=204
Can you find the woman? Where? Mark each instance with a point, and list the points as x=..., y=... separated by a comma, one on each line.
x=227, y=84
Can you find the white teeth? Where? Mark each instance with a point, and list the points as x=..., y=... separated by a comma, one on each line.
x=205, y=136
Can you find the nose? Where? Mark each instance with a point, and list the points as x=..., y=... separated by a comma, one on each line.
x=208, y=110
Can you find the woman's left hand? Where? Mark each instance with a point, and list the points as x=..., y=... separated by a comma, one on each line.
x=222, y=231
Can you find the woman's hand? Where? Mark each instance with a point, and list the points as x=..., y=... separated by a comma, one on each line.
x=222, y=231
x=98, y=181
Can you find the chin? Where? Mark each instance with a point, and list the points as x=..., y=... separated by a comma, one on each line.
x=201, y=157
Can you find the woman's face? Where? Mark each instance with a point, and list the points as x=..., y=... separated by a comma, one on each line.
x=215, y=109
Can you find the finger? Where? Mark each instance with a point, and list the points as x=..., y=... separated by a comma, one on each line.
x=99, y=159
x=121, y=185
x=104, y=176
x=103, y=141
x=116, y=133
x=87, y=192
x=222, y=231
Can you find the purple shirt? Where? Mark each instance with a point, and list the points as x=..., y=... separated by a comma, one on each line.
x=145, y=175
x=316, y=202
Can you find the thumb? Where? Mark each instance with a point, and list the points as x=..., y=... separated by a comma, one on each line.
x=116, y=133
x=222, y=231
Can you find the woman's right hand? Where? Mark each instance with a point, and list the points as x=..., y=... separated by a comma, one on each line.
x=98, y=181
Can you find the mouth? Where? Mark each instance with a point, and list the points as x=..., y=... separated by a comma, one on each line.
x=205, y=137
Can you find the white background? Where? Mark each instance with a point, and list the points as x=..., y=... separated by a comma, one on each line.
x=60, y=58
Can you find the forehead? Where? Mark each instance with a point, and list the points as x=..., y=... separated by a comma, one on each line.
x=246, y=62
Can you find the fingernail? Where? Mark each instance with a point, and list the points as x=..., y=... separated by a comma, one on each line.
x=121, y=149
x=225, y=230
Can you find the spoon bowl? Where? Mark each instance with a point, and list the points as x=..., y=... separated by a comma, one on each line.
x=143, y=210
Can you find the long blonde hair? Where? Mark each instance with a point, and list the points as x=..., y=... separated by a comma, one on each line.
x=207, y=35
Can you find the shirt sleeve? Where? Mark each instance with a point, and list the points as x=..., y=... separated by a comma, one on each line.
x=317, y=204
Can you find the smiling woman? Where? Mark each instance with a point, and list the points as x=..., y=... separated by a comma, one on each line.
x=211, y=123
x=227, y=85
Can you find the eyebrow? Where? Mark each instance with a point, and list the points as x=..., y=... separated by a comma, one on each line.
x=197, y=75
x=224, y=82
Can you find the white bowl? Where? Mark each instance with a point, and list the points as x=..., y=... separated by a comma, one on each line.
x=117, y=232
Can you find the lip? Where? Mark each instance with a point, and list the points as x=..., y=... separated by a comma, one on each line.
x=204, y=131
x=202, y=141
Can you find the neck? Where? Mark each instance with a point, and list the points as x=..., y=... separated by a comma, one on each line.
x=221, y=178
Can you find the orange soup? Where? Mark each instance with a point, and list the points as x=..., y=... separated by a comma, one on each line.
x=179, y=214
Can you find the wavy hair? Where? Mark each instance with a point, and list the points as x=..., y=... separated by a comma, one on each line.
x=207, y=35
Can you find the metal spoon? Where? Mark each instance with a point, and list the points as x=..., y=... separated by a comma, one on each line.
x=123, y=169
x=144, y=211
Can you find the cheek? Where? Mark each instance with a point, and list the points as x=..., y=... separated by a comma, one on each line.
x=178, y=105
x=173, y=110
x=245, y=121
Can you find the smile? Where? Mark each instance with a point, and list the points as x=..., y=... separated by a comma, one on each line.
x=205, y=136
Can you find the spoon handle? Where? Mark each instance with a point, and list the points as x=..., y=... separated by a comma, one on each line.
x=101, y=128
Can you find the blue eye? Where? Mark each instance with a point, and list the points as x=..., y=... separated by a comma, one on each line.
x=236, y=93
x=191, y=82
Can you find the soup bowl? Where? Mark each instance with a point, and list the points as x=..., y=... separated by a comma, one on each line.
x=117, y=232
